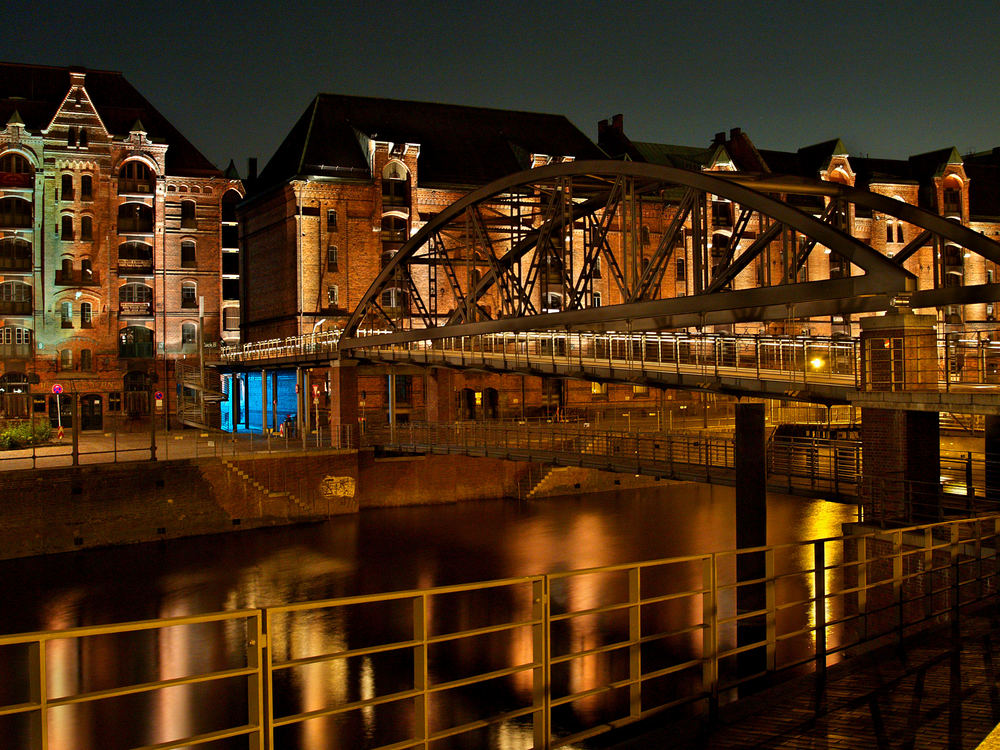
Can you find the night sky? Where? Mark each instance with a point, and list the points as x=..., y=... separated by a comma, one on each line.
x=890, y=79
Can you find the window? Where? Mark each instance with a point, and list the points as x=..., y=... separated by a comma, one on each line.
x=86, y=187
x=230, y=264
x=135, y=257
x=331, y=258
x=15, y=213
x=67, y=228
x=599, y=390
x=13, y=163
x=189, y=294
x=393, y=229
x=952, y=200
x=639, y=391
x=331, y=220
x=86, y=359
x=66, y=359
x=187, y=215
x=230, y=289
x=645, y=235
x=899, y=232
x=552, y=302
x=888, y=231
x=135, y=293
x=681, y=269
x=66, y=313
x=86, y=271
x=86, y=315
x=722, y=213
x=135, y=177
x=395, y=178
x=87, y=229
x=189, y=333
x=115, y=401
x=83, y=138
x=596, y=297
x=15, y=254
x=15, y=291
x=71, y=137
x=135, y=341
x=333, y=295
x=231, y=318
x=67, y=187
x=188, y=259
x=595, y=272
x=135, y=217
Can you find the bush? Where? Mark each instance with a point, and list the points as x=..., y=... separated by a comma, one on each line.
x=24, y=434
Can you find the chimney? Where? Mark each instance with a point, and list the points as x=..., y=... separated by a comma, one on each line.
x=734, y=133
x=612, y=123
x=720, y=138
x=252, y=169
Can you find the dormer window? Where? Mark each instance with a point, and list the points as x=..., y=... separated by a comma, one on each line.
x=83, y=138
x=71, y=137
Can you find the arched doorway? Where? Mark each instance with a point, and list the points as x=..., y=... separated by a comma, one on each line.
x=491, y=403
x=91, y=412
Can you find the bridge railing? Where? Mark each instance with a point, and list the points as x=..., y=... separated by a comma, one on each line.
x=543, y=660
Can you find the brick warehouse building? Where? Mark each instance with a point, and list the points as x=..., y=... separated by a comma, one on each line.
x=355, y=177
x=112, y=228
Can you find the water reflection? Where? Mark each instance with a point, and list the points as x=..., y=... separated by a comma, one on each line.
x=378, y=551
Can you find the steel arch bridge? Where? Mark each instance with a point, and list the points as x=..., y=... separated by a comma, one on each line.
x=525, y=253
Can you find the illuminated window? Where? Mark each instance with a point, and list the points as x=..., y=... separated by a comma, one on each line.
x=395, y=180
x=189, y=333
x=599, y=390
x=115, y=401
x=333, y=295
x=135, y=177
x=66, y=313
x=596, y=297
x=639, y=391
x=231, y=318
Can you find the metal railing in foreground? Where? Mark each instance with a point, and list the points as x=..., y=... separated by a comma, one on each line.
x=542, y=661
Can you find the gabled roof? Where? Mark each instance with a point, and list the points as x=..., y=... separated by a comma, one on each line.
x=458, y=145
x=36, y=91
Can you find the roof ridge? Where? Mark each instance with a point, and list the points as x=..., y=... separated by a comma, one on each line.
x=438, y=104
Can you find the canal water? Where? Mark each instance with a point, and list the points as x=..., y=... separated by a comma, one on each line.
x=374, y=551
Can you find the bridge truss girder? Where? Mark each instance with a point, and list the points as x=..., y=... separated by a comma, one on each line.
x=548, y=231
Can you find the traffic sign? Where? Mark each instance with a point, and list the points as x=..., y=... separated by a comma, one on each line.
x=57, y=389
x=158, y=395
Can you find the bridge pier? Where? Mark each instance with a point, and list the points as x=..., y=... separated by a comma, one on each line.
x=901, y=449
x=751, y=531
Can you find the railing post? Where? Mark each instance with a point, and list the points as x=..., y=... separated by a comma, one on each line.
x=421, y=714
x=634, y=638
x=770, y=600
x=819, y=586
x=710, y=635
x=541, y=656
x=38, y=692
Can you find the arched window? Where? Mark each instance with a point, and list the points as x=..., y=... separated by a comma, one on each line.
x=552, y=302
x=188, y=220
x=188, y=256
x=15, y=213
x=86, y=270
x=67, y=187
x=135, y=177
x=86, y=187
x=395, y=181
x=66, y=313
x=135, y=257
x=189, y=335
x=135, y=218
x=189, y=294
x=394, y=300
x=87, y=228
x=17, y=170
x=67, y=228
x=393, y=229
x=135, y=299
x=951, y=200
x=15, y=254
x=229, y=201
x=135, y=342
x=86, y=315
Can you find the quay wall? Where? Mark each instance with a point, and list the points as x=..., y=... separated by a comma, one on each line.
x=47, y=511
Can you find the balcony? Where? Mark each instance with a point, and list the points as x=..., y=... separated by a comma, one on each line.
x=135, y=267
x=17, y=180
x=136, y=350
x=15, y=307
x=135, y=309
x=76, y=277
x=15, y=351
